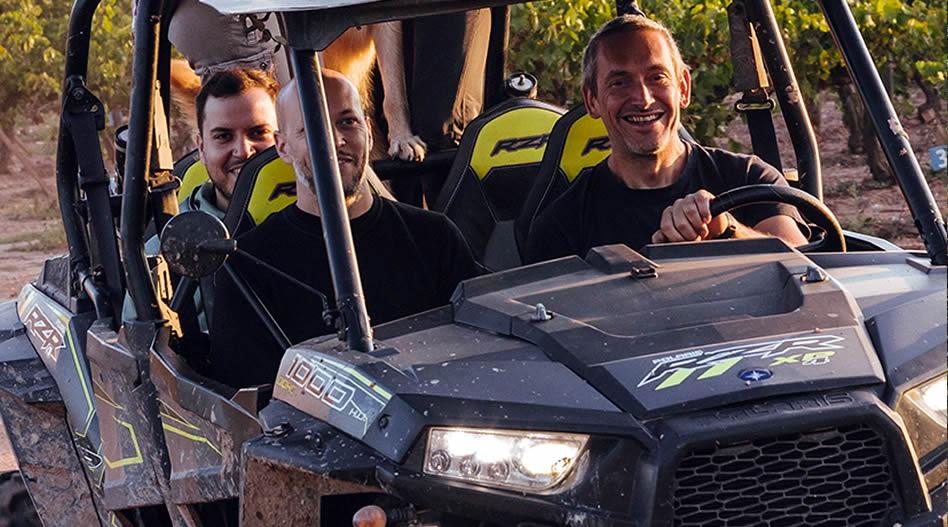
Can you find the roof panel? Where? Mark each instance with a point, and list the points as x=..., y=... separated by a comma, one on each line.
x=262, y=6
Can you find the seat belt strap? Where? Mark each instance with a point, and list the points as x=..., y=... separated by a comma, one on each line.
x=750, y=78
x=756, y=107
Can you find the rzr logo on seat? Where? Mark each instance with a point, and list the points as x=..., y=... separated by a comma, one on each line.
x=677, y=368
x=520, y=143
x=596, y=143
x=283, y=189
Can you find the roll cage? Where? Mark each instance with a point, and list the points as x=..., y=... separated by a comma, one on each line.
x=103, y=272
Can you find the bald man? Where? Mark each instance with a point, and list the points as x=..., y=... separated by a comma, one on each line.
x=410, y=260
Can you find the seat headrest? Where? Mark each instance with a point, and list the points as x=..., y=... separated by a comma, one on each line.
x=515, y=137
x=585, y=146
x=266, y=184
x=191, y=172
x=500, y=141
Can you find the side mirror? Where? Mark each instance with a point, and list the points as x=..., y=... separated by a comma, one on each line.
x=196, y=244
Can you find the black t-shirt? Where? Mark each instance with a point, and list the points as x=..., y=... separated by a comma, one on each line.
x=410, y=260
x=600, y=209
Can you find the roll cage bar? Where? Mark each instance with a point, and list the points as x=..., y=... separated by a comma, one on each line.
x=88, y=214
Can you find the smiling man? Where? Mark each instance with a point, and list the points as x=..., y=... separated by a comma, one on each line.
x=410, y=260
x=236, y=119
x=654, y=187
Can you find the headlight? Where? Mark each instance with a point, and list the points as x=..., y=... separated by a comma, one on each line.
x=520, y=460
x=925, y=412
x=932, y=398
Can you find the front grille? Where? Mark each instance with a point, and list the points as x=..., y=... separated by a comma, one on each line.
x=836, y=477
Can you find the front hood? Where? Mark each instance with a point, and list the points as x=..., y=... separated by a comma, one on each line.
x=630, y=339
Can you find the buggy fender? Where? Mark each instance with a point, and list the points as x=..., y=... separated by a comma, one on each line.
x=298, y=461
x=35, y=417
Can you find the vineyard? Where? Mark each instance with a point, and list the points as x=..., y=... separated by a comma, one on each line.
x=906, y=38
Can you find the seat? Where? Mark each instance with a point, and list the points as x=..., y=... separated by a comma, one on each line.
x=577, y=144
x=191, y=172
x=495, y=166
x=266, y=184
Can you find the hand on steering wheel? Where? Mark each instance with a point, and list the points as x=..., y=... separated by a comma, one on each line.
x=689, y=219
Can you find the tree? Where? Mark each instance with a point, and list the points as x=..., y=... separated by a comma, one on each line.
x=32, y=45
x=548, y=39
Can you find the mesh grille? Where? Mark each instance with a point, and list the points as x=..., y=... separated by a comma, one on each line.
x=837, y=477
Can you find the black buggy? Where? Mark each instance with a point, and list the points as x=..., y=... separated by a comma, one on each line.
x=732, y=383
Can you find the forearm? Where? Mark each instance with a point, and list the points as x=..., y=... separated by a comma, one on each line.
x=780, y=226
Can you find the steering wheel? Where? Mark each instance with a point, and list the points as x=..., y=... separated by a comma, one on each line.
x=811, y=208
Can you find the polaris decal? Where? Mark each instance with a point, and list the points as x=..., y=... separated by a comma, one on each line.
x=810, y=350
x=341, y=389
x=755, y=375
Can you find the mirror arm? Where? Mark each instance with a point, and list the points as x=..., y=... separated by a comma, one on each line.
x=257, y=305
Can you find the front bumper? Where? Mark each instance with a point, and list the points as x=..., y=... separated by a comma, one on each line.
x=840, y=457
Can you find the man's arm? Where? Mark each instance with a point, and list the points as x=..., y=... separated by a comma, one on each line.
x=689, y=219
x=403, y=144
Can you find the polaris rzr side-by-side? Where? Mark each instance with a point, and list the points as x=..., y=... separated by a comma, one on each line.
x=725, y=383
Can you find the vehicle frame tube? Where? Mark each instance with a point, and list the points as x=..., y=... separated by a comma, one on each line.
x=787, y=90
x=892, y=137
x=138, y=160
x=67, y=166
x=332, y=206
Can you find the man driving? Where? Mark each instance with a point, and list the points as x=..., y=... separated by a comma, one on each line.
x=654, y=187
x=410, y=260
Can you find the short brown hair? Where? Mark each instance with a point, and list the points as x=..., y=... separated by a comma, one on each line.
x=232, y=82
x=624, y=24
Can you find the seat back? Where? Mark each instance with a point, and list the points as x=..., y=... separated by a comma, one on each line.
x=495, y=165
x=266, y=184
x=577, y=144
x=192, y=173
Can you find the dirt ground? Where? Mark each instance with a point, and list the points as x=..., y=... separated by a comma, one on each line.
x=30, y=230
x=860, y=203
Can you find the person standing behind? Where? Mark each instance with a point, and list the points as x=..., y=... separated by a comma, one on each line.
x=445, y=60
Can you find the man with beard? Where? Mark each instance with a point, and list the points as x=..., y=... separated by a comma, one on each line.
x=654, y=187
x=410, y=260
x=236, y=120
